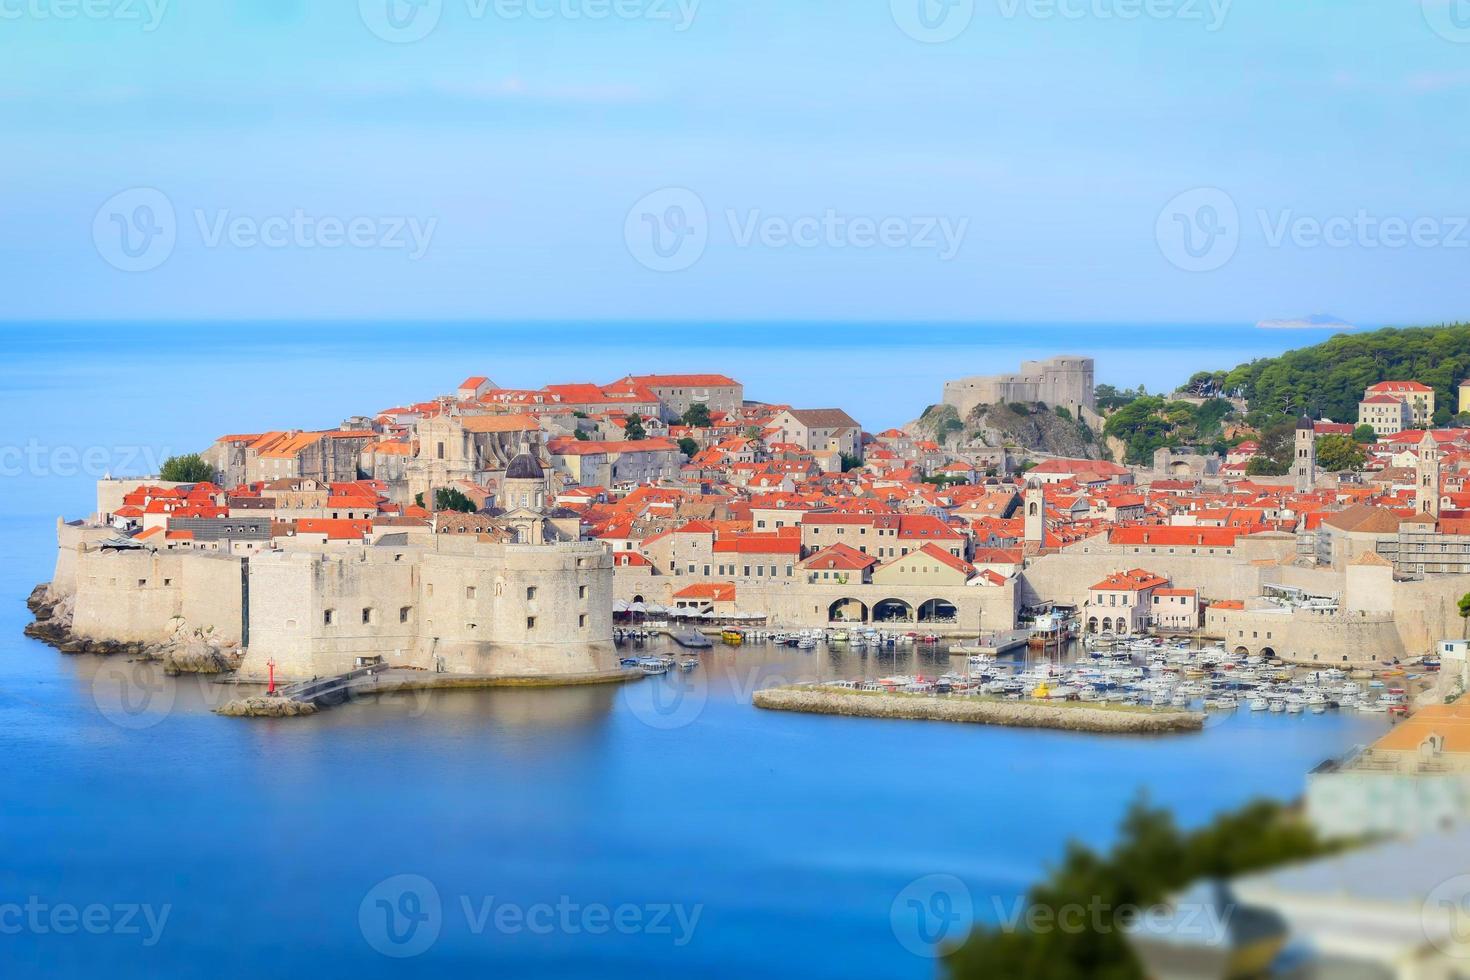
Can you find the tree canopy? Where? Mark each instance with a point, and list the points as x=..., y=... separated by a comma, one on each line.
x=633, y=428
x=1152, y=859
x=186, y=469
x=1327, y=380
x=448, y=498
x=696, y=415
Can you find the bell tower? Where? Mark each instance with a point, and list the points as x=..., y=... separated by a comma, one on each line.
x=1426, y=477
x=1034, y=504
x=1304, y=464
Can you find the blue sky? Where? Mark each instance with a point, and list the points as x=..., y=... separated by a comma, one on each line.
x=530, y=153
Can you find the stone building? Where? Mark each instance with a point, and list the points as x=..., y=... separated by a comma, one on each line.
x=676, y=393
x=1060, y=382
x=820, y=430
x=447, y=603
x=476, y=448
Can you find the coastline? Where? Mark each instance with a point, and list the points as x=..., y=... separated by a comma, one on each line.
x=976, y=711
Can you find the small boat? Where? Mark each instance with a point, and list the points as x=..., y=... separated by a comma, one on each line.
x=688, y=665
x=1259, y=704
x=732, y=637
x=652, y=667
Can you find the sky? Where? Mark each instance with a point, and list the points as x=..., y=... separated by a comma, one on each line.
x=1114, y=161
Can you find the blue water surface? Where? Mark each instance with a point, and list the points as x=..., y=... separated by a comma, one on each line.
x=281, y=846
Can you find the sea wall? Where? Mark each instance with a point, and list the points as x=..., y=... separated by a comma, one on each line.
x=457, y=607
x=1020, y=714
x=143, y=596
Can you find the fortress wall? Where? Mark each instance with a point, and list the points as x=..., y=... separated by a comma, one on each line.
x=790, y=605
x=291, y=593
x=1344, y=640
x=121, y=595
x=213, y=593
x=1066, y=578
x=467, y=609
x=70, y=541
x=490, y=630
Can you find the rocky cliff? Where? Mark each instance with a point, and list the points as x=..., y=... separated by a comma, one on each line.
x=1034, y=427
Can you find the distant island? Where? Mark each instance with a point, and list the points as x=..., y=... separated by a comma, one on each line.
x=1317, y=321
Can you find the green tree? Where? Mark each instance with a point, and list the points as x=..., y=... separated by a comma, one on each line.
x=1340, y=454
x=1465, y=610
x=696, y=415
x=1365, y=435
x=688, y=447
x=1265, y=466
x=448, y=498
x=581, y=434
x=633, y=428
x=850, y=462
x=186, y=469
x=1152, y=858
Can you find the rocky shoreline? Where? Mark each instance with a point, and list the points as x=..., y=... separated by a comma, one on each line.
x=1018, y=714
x=186, y=651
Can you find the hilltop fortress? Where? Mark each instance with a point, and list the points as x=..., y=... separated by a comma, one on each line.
x=1061, y=382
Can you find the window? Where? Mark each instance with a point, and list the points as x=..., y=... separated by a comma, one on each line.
x=530, y=622
x=369, y=617
x=327, y=615
x=582, y=620
x=530, y=592
x=404, y=613
x=469, y=591
x=440, y=451
x=142, y=582
x=582, y=589
x=168, y=581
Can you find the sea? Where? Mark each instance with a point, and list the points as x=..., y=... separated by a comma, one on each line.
x=659, y=828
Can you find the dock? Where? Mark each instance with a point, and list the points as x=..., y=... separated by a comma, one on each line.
x=995, y=645
x=1061, y=715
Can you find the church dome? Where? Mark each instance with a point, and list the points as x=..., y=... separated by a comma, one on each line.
x=524, y=467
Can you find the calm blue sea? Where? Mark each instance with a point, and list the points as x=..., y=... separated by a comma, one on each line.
x=557, y=833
